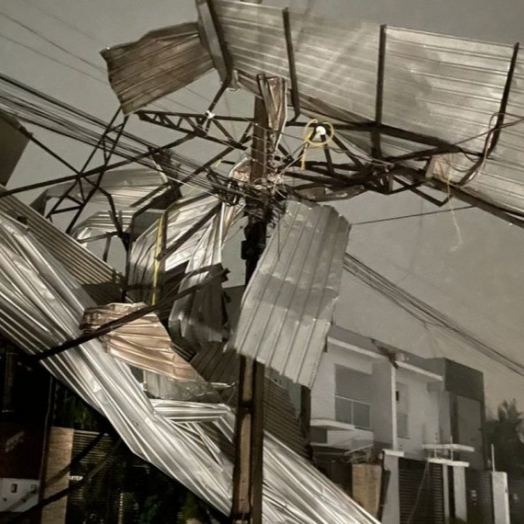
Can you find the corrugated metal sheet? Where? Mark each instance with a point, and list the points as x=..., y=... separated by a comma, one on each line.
x=42, y=307
x=500, y=180
x=197, y=320
x=99, y=279
x=158, y=64
x=288, y=304
x=102, y=223
x=180, y=219
x=336, y=61
x=434, y=85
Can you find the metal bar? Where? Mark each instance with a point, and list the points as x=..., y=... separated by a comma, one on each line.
x=295, y=95
x=347, y=152
x=504, y=102
x=379, y=98
x=21, y=129
x=94, y=171
x=419, y=155
x=198, y=132
x=86, y=163
x=107, y=158
x=414, y=189
x=65, y=210
x=224, y=131
x=106, y=248
x=114, y=218
x=188, y=234
x=216, y=99
x=329, y=160
x=194, y=115
x=115, y=324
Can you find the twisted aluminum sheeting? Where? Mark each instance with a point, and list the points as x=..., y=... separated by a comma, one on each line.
x=42, y=306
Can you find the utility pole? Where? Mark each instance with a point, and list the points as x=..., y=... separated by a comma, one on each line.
x=249, y=431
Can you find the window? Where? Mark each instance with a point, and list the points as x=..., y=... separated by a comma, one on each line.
x=353, y=412
x=352, y=397
x=14, y=488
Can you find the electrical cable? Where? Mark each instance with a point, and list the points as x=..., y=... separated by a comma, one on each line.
x=414, y=215
x=425, y=313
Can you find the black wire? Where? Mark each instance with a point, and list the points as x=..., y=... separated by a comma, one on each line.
x=51, y=42
x=414, y=215
x=425, y=313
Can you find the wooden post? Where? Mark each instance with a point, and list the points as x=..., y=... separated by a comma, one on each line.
x=249, y=434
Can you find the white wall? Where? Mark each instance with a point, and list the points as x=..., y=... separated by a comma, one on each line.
x=423, y=412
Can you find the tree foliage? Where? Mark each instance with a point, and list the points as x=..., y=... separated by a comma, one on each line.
x=506, y=434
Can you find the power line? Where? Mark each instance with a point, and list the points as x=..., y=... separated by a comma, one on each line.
x=53, y=59
x=414, y=215
x=425, y=313
x=51, y=42
x=63, y=22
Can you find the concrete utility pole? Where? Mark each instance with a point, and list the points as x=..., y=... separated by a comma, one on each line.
x=249, y=434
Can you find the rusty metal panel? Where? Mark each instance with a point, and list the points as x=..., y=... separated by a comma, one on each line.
x=160, y=63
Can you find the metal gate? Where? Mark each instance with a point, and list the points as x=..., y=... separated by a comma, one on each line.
x=516, y=499
x=479, y=496
x=421, y=492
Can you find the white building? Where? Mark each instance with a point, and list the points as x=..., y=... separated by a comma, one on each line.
x=423, y=417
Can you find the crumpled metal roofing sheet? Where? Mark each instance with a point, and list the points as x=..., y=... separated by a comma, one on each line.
x=102, y=223
x=197, y=320
x=158, y=64
x=101, y=281
x=180, y=219
x=143, y=343
x=42, y=307
x=288, y=305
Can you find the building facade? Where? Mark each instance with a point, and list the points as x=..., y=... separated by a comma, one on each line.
x=416, y=424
